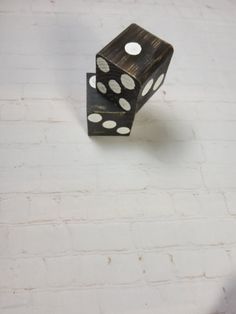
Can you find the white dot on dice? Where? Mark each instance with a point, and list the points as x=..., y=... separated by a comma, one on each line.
x=114, y=86
x=124, y=104
x=147, y=87
x=109, y=124
x=92, y=81
x=133, y=48
x=103, y=65
x=123, y=130
x=95, y=117
x=101, y=87
x=127, y=81
x=158, y=82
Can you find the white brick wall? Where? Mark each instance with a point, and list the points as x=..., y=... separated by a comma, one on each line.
x=138, y=225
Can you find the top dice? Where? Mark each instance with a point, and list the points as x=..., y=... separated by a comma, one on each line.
x=132, y=67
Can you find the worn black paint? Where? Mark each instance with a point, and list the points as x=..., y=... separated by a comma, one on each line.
x=153, y=60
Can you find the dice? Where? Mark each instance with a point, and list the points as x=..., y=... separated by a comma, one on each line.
x=129, y=70
x=132, y=67
x=105, y=117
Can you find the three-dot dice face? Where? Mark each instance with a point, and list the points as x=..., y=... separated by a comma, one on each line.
x=132, y=67
x=104, y=117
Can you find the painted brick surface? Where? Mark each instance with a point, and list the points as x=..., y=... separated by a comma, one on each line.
x=137, y=225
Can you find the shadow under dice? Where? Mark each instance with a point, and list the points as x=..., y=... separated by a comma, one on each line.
x=132, y=67
x=105, y=117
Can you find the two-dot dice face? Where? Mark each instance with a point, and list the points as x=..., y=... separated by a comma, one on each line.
x=152, y=84
x=132, y=67
x=104, y=117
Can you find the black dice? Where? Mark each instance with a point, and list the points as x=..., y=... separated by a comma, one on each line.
x=132, y=67
x=129, y=70
x=104, y=117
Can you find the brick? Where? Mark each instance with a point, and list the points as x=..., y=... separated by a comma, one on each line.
x=4, y=244
x=188, y=153
x=20, y=301
x=80, y=270
x=122, y=178
x=62, y=271
x=180, y=131
x=216, y=111
x=139, y=300
x=12, y=111
x=19, y=208
x=19, y=180
x=11, y=91
x=23, y=76
x=201, y=204
x=42, y=6
x=14, y=6
x=219, y=176
x=182, y=110
x=75, y=301
x=131, y=205
x=13, y=274
x=231, y=202
x=68, y=179
x=172, y=234
x=71, y=6
x=20, y=133
x=18, y=310
x=42, y=91
x=210, y=263
x=20, y=61
x=220, y=152
x=39, y=155
x=157, y=267
x=223, y=153
x=43, y=208
x=121, y=150
x=66, y=133
x=190, y=297
x=174, y=178
x=14, y=209
x=188, y=264
x=15, y=159
x=233, y=255
x=215, y=130
x=24, y=46
x=103, y=237
x=38, y=110
x=38, y=240
x=216, y=263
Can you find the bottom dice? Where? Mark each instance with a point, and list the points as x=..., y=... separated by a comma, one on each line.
x=105, y=117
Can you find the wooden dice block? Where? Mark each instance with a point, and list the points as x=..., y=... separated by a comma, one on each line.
x=105, y=117
x=132, y=67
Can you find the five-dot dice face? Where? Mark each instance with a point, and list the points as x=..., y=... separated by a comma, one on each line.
x=118, y=86
x=104, y=117
x=132, y=67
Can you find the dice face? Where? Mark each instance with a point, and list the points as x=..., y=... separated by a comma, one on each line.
x=132, y=67
x=152, y=84
x=105, y=117
x=118, y=86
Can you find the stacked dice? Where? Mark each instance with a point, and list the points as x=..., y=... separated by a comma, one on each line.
x=129, y=70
